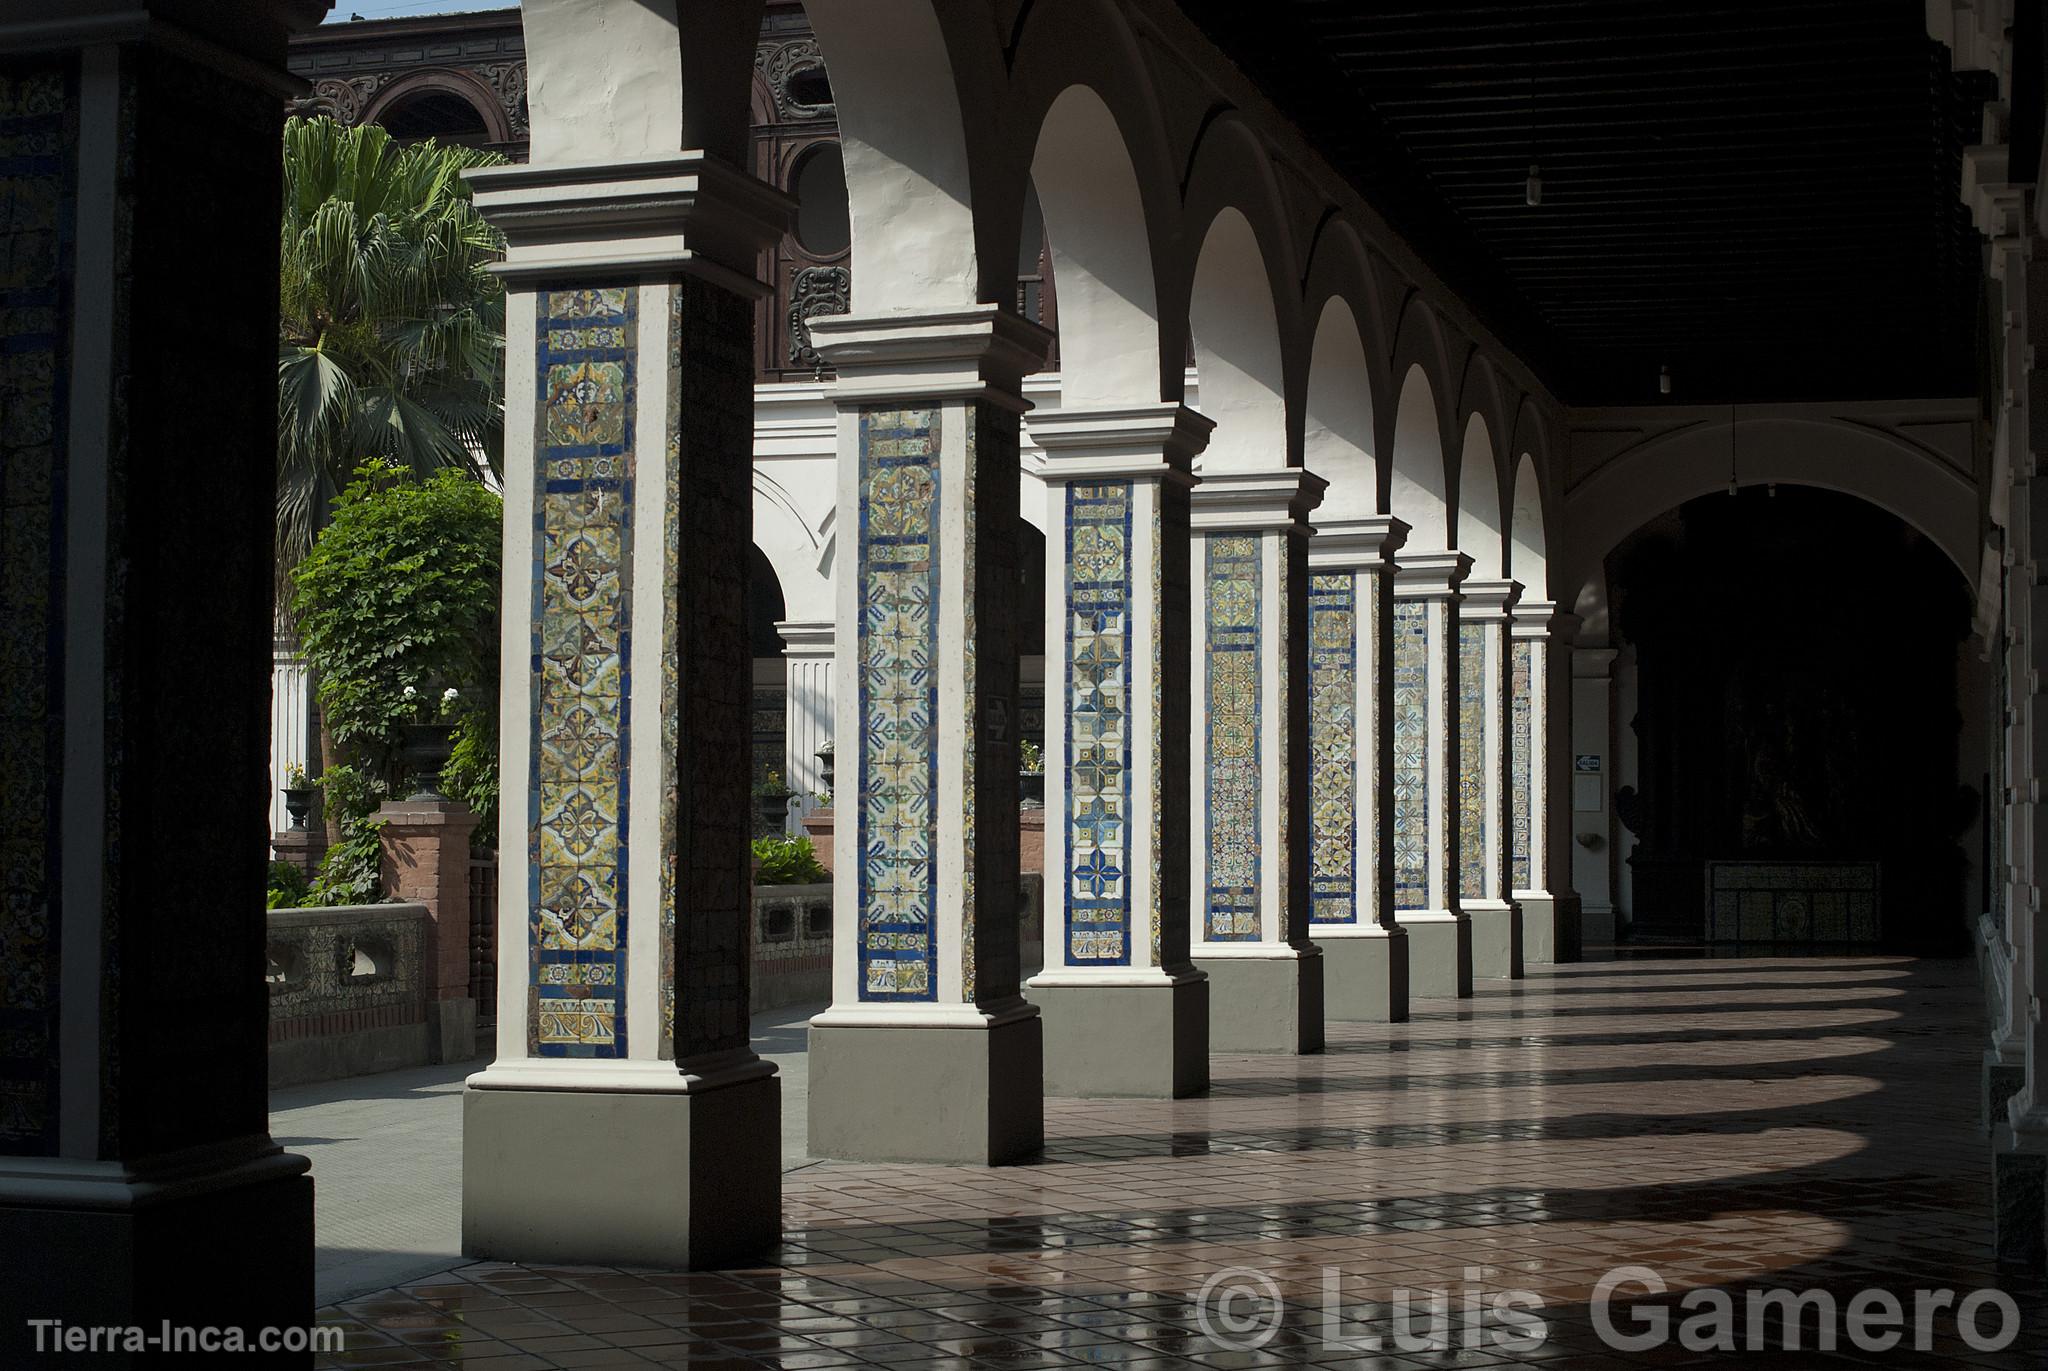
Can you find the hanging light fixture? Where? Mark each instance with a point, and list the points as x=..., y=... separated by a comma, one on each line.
x=1532, y=189
x=1734, y=487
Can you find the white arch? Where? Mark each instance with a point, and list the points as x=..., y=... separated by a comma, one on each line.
x=793, y=549
x=1102, y=255
x=1665, y=472
x=1528, y=556
x=1479, y=522
x=908, y=180
x=1337, y=419
x=1416, y=495
x=1237, y=349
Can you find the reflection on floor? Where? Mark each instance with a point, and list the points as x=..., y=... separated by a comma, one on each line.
x=1740, y=1124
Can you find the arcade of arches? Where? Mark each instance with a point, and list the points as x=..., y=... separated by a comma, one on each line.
x=1380, y=674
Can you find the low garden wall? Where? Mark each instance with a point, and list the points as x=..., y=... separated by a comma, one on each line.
x=348, y=994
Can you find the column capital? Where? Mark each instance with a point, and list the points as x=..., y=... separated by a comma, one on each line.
x=1248, y=501
x=1491, y=600
x=635, y=218
x=1134, y=443
x=1543, y=619
x=1430, y=575
x=1361, y=544
x=980, y=352
x=807, y=637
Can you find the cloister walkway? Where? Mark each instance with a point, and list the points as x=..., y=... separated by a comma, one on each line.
x=1733, y=1123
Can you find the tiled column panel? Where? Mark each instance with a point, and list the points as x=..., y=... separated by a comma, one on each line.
x=1125, y=1010
x=1251, y=785
x=925, y=951
x=1484, y=755
x=1539, y=745
x=138, y=1178
x=627, y=685
x=1427, y=772
x=1351, y=751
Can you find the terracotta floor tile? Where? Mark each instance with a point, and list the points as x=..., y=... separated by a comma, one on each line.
x=1727, y=1123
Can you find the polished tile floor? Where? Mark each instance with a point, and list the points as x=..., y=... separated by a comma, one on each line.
x=1731, y=1125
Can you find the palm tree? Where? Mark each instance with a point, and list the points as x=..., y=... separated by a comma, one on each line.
x=392, y=331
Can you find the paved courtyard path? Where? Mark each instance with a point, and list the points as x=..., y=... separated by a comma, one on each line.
x=1732, y=1125
x=387, y=1160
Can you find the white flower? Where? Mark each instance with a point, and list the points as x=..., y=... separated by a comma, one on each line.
x=448, y=696
x=410, y=692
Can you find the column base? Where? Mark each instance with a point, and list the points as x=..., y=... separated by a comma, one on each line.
x=1146, y=1039
x=1270, y=1001
x=218, y=1247
x=684, y=1180
x=1599, y=925
x=1551, y=927
x=969, y=1094
x=1496, y=939
x=2002, y=1081
x=452, y=1029
x=1439, y=954
x=2019, y=1199
x=1365, y=975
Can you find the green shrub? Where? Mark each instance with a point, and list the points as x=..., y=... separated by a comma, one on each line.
x=787, y=861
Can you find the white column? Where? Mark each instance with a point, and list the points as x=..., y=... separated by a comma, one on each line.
x=925, y=922
x=1249, y=793
x=627, y=691
x=1426, y=773
x=1596, y=837
x=807, y=705
x=1351, y=750
x=1484, y=609
x=1126, y=1012
x=1539, y=766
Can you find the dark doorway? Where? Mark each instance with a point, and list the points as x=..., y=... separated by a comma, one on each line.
x=1796, y=721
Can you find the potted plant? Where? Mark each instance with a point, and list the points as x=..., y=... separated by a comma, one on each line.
x=1030, y=775
x=298, y=796
x=773, y=797
x=428, y=741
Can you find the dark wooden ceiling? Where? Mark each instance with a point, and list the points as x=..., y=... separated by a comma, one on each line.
x=1762, y=196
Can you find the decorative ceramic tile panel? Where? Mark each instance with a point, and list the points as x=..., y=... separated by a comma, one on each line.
x=1232, y=680
x=1098, y=705
x=1411, y=754
x=1157, y=593
x=1471, y=705
x=38, y=195
x=582, y=606
x=1793, y=902
x=898, y=680
x=1521, y=753
x=1333, y=748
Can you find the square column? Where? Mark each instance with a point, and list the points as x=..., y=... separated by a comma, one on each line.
x=139, y=1182
x=623, y=979
x=1250, y=788
x=929, y=1051
x=1539, y=791
x=807, y=655
x=1351, y=755
x=1484, y=770
x=1426, y=773
x=1126, y=1012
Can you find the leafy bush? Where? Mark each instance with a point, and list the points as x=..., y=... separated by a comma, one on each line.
x=401, y=591
x=787, y=861
x=287, y=887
